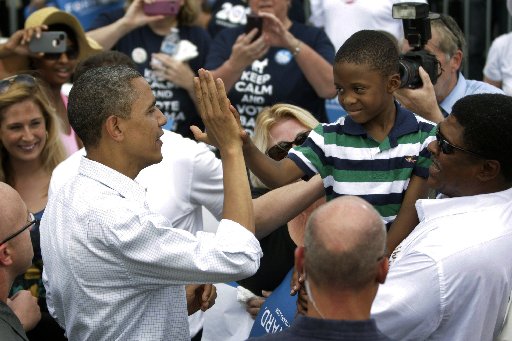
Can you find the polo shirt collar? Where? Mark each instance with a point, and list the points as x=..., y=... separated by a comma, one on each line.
x=457, y=93
x=405, y=123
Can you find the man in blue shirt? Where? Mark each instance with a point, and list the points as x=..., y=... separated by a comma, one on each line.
x=434, y=102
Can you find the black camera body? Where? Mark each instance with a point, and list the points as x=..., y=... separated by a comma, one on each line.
x=416, y=21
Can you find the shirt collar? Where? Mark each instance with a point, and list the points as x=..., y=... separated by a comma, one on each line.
x=126, y=187
x=457, y=92
x=405, y=123
x=444, y=206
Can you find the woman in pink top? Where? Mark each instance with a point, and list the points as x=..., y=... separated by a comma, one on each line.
x=55, y=69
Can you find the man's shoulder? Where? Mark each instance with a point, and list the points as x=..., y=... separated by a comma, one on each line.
x=10, y=326
x=478, y=87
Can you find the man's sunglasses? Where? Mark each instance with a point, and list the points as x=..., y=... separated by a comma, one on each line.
x=31, y=221
x=23, y=78
x=71, y=53
x=448, y=148
x=280, y=150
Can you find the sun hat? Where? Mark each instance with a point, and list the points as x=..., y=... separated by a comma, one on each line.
x=52, y=15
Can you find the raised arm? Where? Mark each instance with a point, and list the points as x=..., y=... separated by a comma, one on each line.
x=108, y=36
x=224, y=132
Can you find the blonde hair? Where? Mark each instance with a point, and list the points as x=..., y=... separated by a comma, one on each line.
x=267, y=118
x=53, y=151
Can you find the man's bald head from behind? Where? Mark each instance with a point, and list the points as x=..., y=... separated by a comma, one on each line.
x=344, y=240
x=17, y=253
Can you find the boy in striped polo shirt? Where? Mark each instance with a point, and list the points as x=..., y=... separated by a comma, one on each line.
x=378, y=152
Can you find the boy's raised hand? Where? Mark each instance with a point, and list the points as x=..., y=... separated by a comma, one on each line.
x=214, y=108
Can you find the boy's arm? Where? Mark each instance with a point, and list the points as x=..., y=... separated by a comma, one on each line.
x=272, y=173
x=407, y=218
x=277, y=207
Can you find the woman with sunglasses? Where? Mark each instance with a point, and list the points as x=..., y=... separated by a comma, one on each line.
x=277, y=129
x=30, y=148
x=55, y=69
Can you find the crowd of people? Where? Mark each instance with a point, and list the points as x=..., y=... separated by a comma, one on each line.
x=139, y=189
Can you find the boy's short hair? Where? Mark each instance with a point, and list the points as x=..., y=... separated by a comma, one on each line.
x=372, y=48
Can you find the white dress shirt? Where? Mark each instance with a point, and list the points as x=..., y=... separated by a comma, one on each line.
x=451, y=277
x=113, y=270
x=188, y=178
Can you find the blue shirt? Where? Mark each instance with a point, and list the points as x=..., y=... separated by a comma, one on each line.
x=307, y=328
x=466, y=87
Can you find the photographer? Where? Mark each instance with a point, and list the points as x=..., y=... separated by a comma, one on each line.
x=434, y=102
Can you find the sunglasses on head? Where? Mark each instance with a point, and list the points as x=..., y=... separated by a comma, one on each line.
x=448, y=148
x=23, y=78
x=280, y=150
x=71, y=53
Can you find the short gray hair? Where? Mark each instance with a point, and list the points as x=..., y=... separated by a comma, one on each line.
x=98, y=94
x=344, y=240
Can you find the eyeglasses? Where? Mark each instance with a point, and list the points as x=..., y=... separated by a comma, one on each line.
x=448, y=148
x=280, y=150
x=23, y=78
x=71, y=53
x=31, y=221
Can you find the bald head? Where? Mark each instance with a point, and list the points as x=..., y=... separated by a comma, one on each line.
x=13, y=210
x=343, y=240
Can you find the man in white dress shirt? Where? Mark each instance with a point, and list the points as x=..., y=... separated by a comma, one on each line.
x=113, y=269
x=450, y=279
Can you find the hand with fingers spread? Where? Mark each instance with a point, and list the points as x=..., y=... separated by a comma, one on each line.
x=276, y=33
x=216, y=113
x=18, y=42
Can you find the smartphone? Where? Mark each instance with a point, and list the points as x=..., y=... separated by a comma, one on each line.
x=162, y=7
x=49, y=42
x=254, y=21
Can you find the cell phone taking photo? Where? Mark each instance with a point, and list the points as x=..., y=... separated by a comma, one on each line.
x=254, y=21
x=49, y=42
x=162, y=7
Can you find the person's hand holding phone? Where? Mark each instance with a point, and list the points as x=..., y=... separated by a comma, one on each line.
x=247, y=49
x=135, y=16
x=19, y=41
x=276, y=34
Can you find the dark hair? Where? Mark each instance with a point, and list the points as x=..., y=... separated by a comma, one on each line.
x=372, y=48
x=105, y=58
x=99, y=93
x=487, y=123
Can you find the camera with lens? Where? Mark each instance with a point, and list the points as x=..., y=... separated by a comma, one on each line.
x=416, y=21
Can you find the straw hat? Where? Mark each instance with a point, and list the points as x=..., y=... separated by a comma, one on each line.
x=52, y=15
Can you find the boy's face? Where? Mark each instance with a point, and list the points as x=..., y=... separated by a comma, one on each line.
x=364, y=93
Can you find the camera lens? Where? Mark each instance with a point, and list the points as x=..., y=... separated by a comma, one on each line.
x=409, y=73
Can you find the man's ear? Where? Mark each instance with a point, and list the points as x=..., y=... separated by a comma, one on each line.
x=114, y=127
x=382, y=270
x=490, y=170
x=5, y=255
x=393, y=83
x=456, y=61
x=299, y=259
